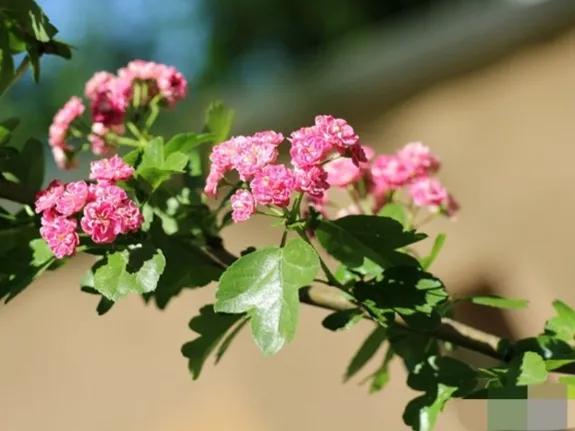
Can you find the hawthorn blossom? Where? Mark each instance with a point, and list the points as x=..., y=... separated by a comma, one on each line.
x=110, y=101
x=162, y=79
x=104, y=190
x=273, y=185
x=252, y=154
x=245, y=154
x=308, y=147
x=59, y=232
x=312, y=181
x=391, y=171
x=243, y=205
x=47, y=198
x=418, y=159
x=111, y=169
x=59, y=128
x=73, y=199
x=428, y=192
x=101, y=221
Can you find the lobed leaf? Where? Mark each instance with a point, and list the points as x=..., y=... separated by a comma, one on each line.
x=136, y=270
x=211, y=327
x=265, y=285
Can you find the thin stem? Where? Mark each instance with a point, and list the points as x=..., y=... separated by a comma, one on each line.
x=284, y=238
x=329, y=275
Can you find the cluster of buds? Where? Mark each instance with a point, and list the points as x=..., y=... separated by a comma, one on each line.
x=327, y=154
x=265, y=182
x=101, y=208
x=111, y=99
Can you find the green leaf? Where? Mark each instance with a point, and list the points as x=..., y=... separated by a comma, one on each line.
x=187, y=266
x=185, y=143
x=381, y=376
x=362, y=241
x=394, y=211
x=265, y=284
x=366, y=351
x=340, y=320
x=414, y=294
x=545, y=345
x=498, y=302
x=219, y=121
x=136, y=270
x=6, y=61
x=428, y=260
x=422, y=412
x=527, y=370
x=563, y=324
x=7, y=126
x=211, y=327
x=156, y=167
x=22, y=264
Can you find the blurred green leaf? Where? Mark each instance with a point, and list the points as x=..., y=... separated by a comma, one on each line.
x=428, y=260
x=498, y=302
x=562, y=325
x=211, y=327
x=395, y=212
x=340, y=320
x=219, y=121
x=366, y=351
x=528, y=370
x=422, y=412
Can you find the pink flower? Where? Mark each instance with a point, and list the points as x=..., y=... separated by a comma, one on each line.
x=111, y=169
x=98, y=142
x=273, y=185
x=419, y=159
x=105, y=191
x=308, y=147
x=172, y=84
x=58, y=132
x=243, y=205
x=97, y=84
x=101, y=221
x=428, y=192
x=73, y=199
x=160, y=78
x=60, y=234
x=312, y=181
x=212, y=180
x=64, y=158
x=342, y=172
x=391, y=171
x=47, y=198
x=253, y=153
x=223, y=154
x=110, y=102
x=131, y=218
x=337, y=131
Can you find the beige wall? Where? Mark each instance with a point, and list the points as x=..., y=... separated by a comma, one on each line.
x=506, y=135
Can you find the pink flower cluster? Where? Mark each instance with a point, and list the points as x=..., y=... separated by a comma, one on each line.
x=62, y=151
x=110, y=98
x=104, y=209
x=412, y=168
x=269, y=183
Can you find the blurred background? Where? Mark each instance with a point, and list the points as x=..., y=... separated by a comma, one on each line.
x=489, y=85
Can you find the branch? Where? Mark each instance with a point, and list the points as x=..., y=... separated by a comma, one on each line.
x=450, y=330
